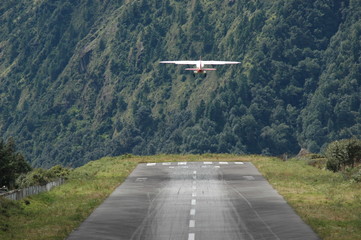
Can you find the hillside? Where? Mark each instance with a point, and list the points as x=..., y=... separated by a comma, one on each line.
x=81, y=80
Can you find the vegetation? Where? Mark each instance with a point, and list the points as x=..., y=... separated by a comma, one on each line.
x=327, y=201
x=80, y=80
x=40, y=176
x=343, y=153
x=12, y=164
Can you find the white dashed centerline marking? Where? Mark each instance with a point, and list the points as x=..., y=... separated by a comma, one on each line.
x=238, y=163
x=207, y=163
x=191, y=236
x=182, y=163
x=224, y=163
x=194, y=194
x=192, y=212
x=192, y=223
x=151, y=164
x=194, y=202
x=166, y=163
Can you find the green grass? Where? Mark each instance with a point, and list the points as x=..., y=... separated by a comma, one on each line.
x=325, y=200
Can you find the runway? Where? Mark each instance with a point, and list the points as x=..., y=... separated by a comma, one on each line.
x=194, y=201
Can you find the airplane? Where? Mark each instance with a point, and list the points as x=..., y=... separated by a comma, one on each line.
x=200, y=69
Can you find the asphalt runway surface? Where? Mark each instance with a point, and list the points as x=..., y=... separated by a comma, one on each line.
x=194, y=201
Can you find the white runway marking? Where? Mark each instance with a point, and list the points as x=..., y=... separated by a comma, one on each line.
x=192, y=223
x=217, y=166
x=248, y=177
x=193, y=212
x=166, y=163
x=238, y=163
x=194, y=194
x=194, y=202
x=182, y=163
x=191, y=236
x=208, y=163
x=224, y=163
x=151, y=164
x=194, y=172
x=141, y=179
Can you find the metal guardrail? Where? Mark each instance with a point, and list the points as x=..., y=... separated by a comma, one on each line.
x=22, y=193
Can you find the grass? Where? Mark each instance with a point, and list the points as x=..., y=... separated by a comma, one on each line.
x=330, y=204
x=327, y=201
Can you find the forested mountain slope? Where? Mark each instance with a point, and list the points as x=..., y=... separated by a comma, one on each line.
x=81, y=79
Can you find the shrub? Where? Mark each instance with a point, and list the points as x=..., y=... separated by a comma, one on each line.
x=41, y=176
x=356, y=176
x=343, y=153
x=317, y=162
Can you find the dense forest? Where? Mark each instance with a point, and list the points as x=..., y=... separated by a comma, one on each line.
x=81, y=79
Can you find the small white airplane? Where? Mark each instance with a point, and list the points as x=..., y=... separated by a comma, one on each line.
x=200, y=69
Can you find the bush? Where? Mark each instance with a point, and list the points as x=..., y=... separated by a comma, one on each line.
x=343, y=153
x=41, y=176
x=356, y=176
x=317, y=162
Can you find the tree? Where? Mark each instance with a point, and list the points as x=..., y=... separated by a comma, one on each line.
x=12, y=163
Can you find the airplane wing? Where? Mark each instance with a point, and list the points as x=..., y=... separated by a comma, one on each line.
x=181, y=62
x=219, y=62
x=203, y=62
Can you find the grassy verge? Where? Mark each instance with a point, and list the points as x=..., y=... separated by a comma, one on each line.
x=330, y=204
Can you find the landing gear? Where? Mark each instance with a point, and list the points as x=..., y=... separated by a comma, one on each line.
x=202, y=74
